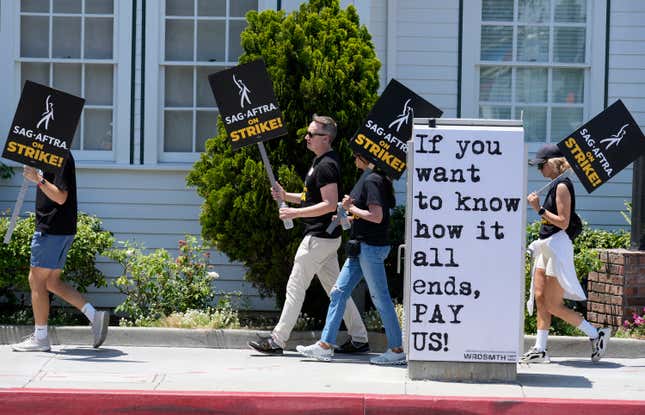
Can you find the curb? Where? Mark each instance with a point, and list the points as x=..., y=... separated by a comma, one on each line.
x=559, y=346
x=74, y=401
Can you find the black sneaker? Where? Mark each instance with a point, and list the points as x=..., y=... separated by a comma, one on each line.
x=599, y=344
x=351, y=346
x=535, y=355
x=266, y=346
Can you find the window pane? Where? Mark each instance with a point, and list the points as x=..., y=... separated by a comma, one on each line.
x=34, y=6
x=497, y=43
x=564, y=121
x=179, y=40
x=99, y=6
x=532, y=44
x=568, y=85
x=179, y=86
x=212, y=7
x=99, y=84
x=569, y=44
x=67, y=77
x=497, y=10
x=34, y=37
x=35, y=72
x=240, y=7
x=204, y=91
x=206, y=128
x=66, y=42
x=67, y=6
x=210, y=41
x=533, y=11
x=235, y=48
x=495, y=112
x=178, y=128
x=570, y=11
x=531, y=85
x=534, y=123
x=98, y=38
x=180, y=7
x=97, y=129
x=495, y=84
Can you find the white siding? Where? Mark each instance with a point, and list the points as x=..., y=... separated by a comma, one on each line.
x=427, y=50
x=151, y=206
x=626, y=81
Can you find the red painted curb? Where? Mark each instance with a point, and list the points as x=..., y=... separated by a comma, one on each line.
x=88, y=402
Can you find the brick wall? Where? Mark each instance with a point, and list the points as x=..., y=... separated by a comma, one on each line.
x=618, y=289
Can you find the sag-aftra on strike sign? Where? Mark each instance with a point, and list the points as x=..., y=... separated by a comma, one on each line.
x=603, y=146
x=43, y=128
x=246, y=102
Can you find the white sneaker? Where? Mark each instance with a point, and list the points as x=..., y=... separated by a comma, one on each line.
x=600, y=343
x=316, y=351
x=100, y=327
x=535, y=355
x=389, y=358
x=31, y=344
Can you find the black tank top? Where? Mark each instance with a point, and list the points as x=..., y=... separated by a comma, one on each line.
x=547, y=229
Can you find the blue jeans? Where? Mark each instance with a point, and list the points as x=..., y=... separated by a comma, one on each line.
x=368, y=264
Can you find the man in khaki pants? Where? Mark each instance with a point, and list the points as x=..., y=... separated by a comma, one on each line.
x=317, y=253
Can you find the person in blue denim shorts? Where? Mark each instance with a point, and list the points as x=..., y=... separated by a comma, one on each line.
x=56, y=216
x=368, y=247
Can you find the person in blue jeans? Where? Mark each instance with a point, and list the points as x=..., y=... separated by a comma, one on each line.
x=367, y=249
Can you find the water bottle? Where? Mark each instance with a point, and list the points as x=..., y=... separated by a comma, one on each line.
x=342, y=216
x=288, y=223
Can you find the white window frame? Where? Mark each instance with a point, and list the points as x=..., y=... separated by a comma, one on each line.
x=10, y=46
x=155, y=87
x=594, y=65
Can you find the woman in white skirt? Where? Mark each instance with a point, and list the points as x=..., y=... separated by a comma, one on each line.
x=553, y=273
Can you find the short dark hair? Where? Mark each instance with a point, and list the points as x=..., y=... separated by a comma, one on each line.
x=328, y=124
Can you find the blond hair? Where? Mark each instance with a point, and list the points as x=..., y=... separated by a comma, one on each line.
x=328, y=125
x=559, y=164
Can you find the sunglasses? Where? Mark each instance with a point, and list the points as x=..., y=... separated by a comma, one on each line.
x=540, y=166
x=310, y=134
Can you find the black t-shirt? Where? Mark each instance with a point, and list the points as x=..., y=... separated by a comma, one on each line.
x=51, y=217
x=547, y=229
x=324, y=170
x=376, y=190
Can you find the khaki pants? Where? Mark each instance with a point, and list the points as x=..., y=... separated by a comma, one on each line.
x=315, y=256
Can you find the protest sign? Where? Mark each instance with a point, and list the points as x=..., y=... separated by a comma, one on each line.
x=603, y=146
x=249, y=110
x=382, y=137
x=465, y=239
x=43, y=127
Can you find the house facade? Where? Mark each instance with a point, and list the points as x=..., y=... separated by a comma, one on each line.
x=142, y=66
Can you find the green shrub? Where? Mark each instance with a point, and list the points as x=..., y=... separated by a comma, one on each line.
x=210, y=318
x=6, y=172
x=157, y=285
x=80, y=268
x=585, y=260
x=320, y=60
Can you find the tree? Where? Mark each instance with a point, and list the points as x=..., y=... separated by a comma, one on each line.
x=321, y=60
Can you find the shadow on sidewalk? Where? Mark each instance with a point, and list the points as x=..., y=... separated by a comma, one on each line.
x=588, y=364
x=92, y=355
x=546, y=380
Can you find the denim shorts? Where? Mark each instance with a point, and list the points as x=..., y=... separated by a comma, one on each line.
x=50, y=251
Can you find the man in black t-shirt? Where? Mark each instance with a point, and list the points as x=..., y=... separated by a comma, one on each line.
x=56, y=216
x=317, y=253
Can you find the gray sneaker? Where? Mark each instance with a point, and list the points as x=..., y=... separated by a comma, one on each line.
x=316, y=351
x=389, y=358
x=100, y=327
x=31, y=344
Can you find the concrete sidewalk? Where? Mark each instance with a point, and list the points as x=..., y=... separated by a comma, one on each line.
x=214, y=372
